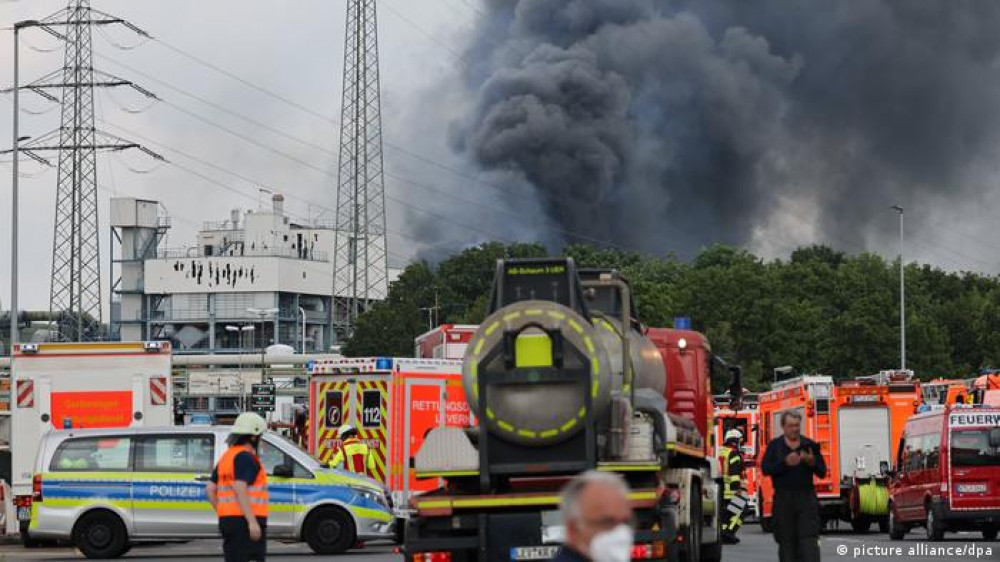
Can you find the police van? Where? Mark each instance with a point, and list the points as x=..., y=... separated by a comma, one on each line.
x=104, y=489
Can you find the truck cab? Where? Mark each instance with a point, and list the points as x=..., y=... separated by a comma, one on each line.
x=947, y=474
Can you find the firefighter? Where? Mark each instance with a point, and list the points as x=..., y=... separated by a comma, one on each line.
x=353, y=453
x=238, y=492
x=734, y=492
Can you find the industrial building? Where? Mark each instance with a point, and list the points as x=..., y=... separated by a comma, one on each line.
x=254, y=280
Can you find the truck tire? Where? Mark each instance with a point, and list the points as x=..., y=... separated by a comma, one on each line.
x=329, y=531
x=896, y=529
x=935, y=522
x=100, y=535
x=860, y=523
x=692, y=536
x=990, y=532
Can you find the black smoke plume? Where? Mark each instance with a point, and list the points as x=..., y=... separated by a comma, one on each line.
x=666, y=125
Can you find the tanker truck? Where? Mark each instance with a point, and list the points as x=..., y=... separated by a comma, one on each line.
x=562, y=378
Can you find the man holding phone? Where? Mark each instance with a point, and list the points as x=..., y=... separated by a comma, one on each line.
x=791, y=461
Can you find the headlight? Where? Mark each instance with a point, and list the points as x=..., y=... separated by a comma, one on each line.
x=372, y=495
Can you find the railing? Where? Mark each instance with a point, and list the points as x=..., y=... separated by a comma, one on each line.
x=194, y=252
x=218, y=225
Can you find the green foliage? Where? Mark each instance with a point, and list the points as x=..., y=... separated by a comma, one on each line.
x=820, y=310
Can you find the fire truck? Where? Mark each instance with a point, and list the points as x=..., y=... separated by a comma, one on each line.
x=870, y=413
x=857, y=425
x=743, y=415
x=810, y=396
x=447, y=341
x=393, y=402
x=563, y=379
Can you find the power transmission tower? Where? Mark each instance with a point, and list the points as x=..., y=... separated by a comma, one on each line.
x=75, y=294
x=360, y=262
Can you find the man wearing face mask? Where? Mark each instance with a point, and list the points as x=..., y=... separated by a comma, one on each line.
x=598, y=519
x=238, y=492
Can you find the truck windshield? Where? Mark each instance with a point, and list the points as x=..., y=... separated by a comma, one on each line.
x=971, y=447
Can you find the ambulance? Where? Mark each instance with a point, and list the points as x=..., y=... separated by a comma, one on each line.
x=81, y=385
x=947, y=475
x=394, y=403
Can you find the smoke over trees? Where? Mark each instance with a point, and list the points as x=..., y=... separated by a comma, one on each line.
x=668, y=125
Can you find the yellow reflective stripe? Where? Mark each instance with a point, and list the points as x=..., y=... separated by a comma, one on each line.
x=628, y=467
x=491, y=328
x=459, y=503
x=505, y=426
x=576, y=326
x=164, y=477
x=556, y=315
x=511, y=316
x=527, y=433
x=533, y=312
x=371, y=513
x=479, y=346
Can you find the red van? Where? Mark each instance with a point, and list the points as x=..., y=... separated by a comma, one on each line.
x=947, y=475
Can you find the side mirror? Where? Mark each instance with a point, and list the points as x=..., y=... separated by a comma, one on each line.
x=995, y=437
x=283, y=471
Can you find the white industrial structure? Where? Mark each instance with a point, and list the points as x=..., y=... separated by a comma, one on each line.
x=254, y=280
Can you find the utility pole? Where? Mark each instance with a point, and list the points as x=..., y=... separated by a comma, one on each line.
x=902, y=294
x=75, y=292
x=360, y=266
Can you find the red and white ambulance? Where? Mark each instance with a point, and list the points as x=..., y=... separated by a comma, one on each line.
x=947, y=474
x=394, y=403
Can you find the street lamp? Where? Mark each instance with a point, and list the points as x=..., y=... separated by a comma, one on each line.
x=14, y=187
x=263, y=313
x=902, y=294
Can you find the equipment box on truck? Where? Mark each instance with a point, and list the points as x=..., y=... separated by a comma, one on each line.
x=82, y=385
x=948, y=473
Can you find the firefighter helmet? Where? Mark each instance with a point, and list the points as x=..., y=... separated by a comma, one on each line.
x=249, y=423
x=346, y=430
x=733, y=434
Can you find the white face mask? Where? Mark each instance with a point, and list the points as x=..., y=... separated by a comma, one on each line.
x=612, y=546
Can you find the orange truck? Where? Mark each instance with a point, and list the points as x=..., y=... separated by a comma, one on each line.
x=746, y=418
x=394, y=403
x=870, y=415
x=810, y=396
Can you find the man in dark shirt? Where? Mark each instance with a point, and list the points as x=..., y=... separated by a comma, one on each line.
x=791, y=461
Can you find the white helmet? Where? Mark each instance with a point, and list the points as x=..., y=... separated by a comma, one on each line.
x=733, y=434
x=344, y=430
x=249, y=423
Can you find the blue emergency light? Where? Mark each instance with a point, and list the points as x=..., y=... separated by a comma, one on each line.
x=383, y=364
x=67, y=423
x=682, y=323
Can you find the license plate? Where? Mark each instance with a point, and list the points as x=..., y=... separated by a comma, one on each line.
x=24, y=513
x=534, y=552
x=971, y=488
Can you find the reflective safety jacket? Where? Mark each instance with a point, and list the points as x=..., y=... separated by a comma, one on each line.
x=732, y=470
x=355, y=455
x=257, y=490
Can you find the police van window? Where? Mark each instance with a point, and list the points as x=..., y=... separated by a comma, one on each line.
x=271, y=456
x=92, y=454
x=179, y=453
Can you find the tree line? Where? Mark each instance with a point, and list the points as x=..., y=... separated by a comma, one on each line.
x=819, y=310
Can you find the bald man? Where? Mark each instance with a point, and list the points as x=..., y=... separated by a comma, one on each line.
x=598, y=519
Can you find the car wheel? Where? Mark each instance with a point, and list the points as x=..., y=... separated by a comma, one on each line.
x=329, y=531
x=100, y=535
x=935, y=525
x=990, y=532
x=896, y=530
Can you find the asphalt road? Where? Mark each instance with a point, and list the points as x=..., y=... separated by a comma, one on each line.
x=755, y=546
x=844, y=546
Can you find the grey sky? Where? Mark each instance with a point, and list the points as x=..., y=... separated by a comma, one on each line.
x=427, y=48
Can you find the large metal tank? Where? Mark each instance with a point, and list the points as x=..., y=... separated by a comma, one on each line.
x=645, y=360
x=542, y=413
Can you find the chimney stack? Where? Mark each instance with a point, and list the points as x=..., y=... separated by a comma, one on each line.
x=278, y=204
x=234, y=217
